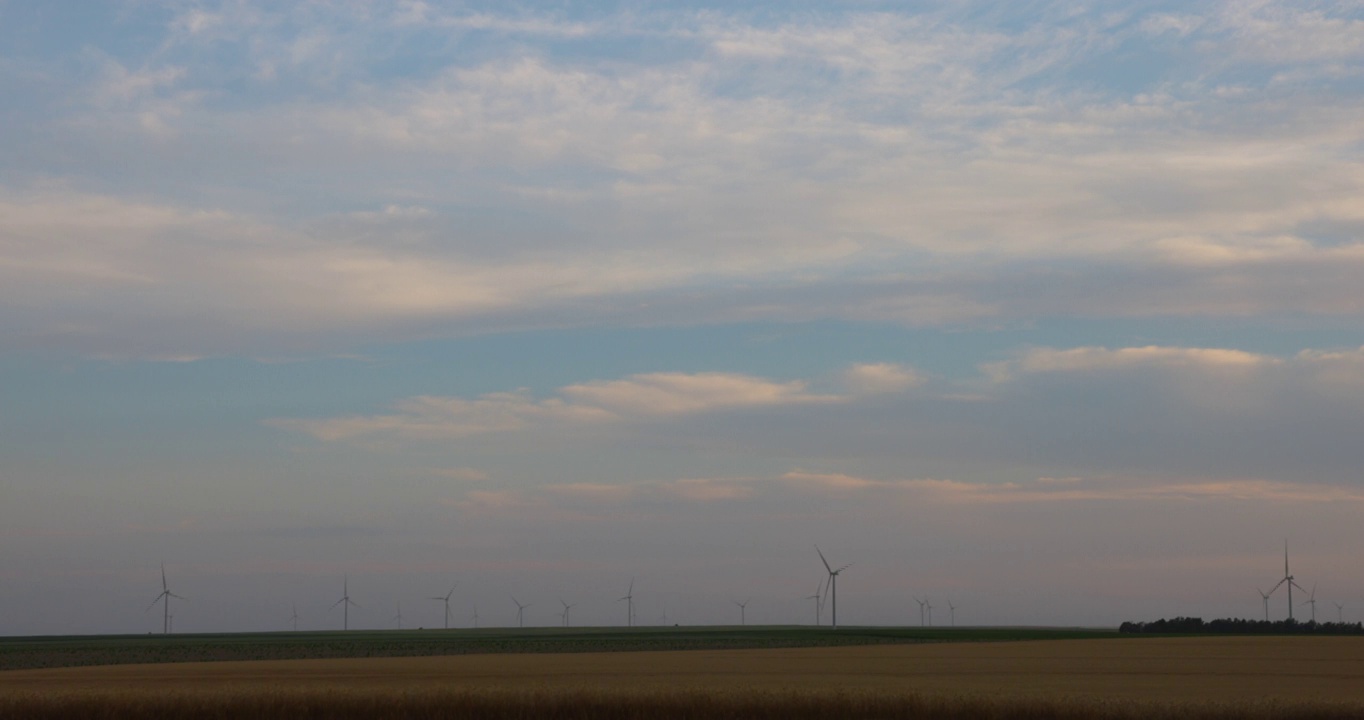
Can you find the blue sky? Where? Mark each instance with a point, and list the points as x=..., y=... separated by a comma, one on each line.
x=1045, y=309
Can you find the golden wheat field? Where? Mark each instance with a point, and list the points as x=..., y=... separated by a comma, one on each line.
x=1155, y=677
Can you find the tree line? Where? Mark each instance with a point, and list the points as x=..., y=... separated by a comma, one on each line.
x=1238, y=626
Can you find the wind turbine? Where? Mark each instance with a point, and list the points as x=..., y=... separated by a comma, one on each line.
x=1287, y=579
x=929, y=607
x=475, y=614
x=567, y=607
x=921, y=610
x=399, y=616
x=344, y=602
x=520, y=611
x=294, y=618
x=164, y=598
x=1340, y=612
x=743, y=610
x=1313, y=602
x=952, y=611
x=819, y=605
x=832, y=587
x=629, y=604
x=1265, y=596
x=446, y=599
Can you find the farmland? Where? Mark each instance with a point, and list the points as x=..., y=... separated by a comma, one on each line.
x=1292, y=677
x=60, y=651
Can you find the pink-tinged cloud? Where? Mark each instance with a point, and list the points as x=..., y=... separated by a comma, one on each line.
x=644, y=396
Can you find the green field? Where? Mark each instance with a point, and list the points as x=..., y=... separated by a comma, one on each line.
x=71, y=651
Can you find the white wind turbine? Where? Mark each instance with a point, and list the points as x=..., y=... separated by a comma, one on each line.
x=567, y=607
x=1288, y=580
x=1265, y=597
x=1340, y=612
x=294, y=618
x=819, y=602
x=475, y=615
x=921, y=610
x=832, y=587
x=164, y=598
x=743, y=610
x=1313, y=602
x=520, y=611
x=929, y=607
x=344, y=602
x=952, y=611
x=629, y=604
x=399, y=617
x=446, y=599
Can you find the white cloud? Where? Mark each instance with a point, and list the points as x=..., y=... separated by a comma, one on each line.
x=1085, y=359
x=652, y=395
x=880, y=378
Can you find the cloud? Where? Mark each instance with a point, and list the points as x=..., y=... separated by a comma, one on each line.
x=1085, y=359
x=644, y=396
x=880, y=378
x=284, y=178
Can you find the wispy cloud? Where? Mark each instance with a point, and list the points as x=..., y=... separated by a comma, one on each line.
x=645, y=396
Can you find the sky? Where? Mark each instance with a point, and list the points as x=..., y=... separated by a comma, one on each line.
x=1050, y=310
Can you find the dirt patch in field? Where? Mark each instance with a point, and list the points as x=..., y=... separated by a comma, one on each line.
x=1224, y=669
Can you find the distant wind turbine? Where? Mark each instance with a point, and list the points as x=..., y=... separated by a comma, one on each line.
x=475, y=614
x=567, y=607
x=929, y=607
x=832, y=587
x=1340, y=612
x=819, y=603
x=921, y=610
x=345, y=603
x=629, y=604
x=446, y=599
x=294, y=618
x=743, y=610
x=1265, y=596
x=1287, y=580
x=1313, y=602
x=164, y=598
x=952, y=611
x=520, y=611
x=399, y=617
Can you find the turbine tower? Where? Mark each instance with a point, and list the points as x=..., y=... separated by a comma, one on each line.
x=929, y=607
x=567, y=607
x=743, y=610
x=345, y=603
x=164, y=598
x=832, y=587
x=1265, y=597
x=629, y=604
x=446, y=599
x=399, y=616
x=921, y=611
x=520, y=612
x=294, y=618
x=952, y=611
x=1287, y=580
x=1340, y=612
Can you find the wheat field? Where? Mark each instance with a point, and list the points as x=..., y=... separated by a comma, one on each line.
x=1222, y=677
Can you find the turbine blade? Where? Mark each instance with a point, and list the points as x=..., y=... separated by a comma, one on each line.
x=154, y=602
x=821, y=559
